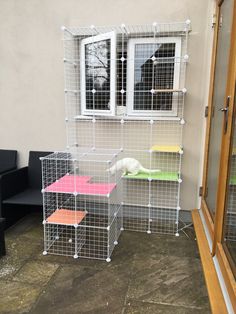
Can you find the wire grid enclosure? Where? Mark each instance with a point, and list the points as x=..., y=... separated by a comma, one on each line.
x=82, y=203
x=125, y=89
x=124, y=96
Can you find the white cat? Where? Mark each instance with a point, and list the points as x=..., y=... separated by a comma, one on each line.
x=130, y=166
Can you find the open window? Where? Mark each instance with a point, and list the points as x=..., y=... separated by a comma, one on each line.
x=153, y=71
x=98, y=73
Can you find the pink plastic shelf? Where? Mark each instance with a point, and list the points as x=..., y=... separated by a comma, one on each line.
x=97, y=188
x=66, y=217
x=68, y=184
x=80, y=184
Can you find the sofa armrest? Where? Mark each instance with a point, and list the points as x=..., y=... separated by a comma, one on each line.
x=13, y=182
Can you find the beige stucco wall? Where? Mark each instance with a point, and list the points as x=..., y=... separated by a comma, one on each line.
x=31, y=70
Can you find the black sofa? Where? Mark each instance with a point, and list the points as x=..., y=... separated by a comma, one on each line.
x=20, y=190
x=8, y=162
x=8, y=159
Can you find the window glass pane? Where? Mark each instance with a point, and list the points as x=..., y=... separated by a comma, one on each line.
x=153, y=69
x=97, y=75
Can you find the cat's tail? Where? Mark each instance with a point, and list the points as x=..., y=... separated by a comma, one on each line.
x=145, y=170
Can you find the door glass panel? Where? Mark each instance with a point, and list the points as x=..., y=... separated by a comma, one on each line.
x=230, y=209
x=220, y=80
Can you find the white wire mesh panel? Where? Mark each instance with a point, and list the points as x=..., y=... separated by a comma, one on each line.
x=163, y=220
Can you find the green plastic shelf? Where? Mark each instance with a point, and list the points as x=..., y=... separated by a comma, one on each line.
x=159, y=176
x=232, y=180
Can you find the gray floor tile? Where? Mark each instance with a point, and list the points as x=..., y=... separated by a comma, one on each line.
x=36, y=272
x=19, y=250
x=137, y=307
x=17, y=297
x=168, y=279
x=77, y=289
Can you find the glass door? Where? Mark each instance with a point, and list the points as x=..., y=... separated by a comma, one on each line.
x=218, y=99
x=229, y=228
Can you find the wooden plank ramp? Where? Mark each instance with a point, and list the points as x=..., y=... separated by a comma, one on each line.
x=216, y=298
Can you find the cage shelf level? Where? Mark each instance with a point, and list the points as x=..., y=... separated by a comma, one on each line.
x=124, y=97
x=159, y=176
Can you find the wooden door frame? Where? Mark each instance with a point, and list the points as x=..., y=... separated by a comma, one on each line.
x=216, y=227
x=226, y=140
x=206, y=212
x=204, y=207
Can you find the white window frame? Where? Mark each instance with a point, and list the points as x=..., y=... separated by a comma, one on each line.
x=130, y=76
x=90, y=40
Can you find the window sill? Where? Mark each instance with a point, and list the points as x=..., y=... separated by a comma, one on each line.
x=126, y=118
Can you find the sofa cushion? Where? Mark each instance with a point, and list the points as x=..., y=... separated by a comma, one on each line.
x=27, y=197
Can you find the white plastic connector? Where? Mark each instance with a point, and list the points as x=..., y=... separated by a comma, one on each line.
x=188, y=22
x=184, y=90
x=151, y=121
x=181, y=151
x=94, y=120
x=93, y=90
x=108, y=260
x=116, y=242
x=152, y=91
x=63, y=28
x=122, y=59
x=122, y=229
x=44, y=222
x=150, y=220
x=57, y=237
x=154, y=24
x=108, y=228
x=149, y=232
x=149, y=205
x=76, y=256
x=122, y=91
x=182, y=121
x=92, y=26
x=122, y=121
x=45, y=252
x=177, y=234
x=186, y=57
x=149, y=179
x=43, y=190
x=76, y=225
x=70, y=241
x=180, y=180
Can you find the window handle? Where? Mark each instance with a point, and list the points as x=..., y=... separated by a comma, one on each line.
x=225, y=110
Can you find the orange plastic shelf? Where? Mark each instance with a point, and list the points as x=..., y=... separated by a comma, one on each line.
x=66, y=217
